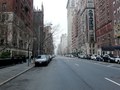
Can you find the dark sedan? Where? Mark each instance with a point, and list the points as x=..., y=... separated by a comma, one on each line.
x=108, y=58
x=99, y=58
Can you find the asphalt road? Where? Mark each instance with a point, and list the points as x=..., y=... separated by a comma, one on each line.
x=69, y=74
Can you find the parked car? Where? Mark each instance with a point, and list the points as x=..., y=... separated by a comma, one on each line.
x=108, y=58
x=117, y=59
x=93, y=57
x=42, y=60
x=69, y=55
x=53, y=56
x=81, y=56
x=99, y=58
x=88, y=57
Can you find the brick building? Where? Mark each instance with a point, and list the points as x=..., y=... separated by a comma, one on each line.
x=16, y=17
x=104, y=26
x=116, y=23
x=74, y=33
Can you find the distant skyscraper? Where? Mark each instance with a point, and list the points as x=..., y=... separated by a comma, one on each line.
x=70, y=9
x=62, y=48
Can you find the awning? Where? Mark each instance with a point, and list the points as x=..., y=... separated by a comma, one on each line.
x=108, y=48
x=117, y=47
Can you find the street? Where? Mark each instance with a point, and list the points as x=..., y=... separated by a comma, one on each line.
x=64, y=73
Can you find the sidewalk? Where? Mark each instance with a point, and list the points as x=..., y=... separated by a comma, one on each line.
x=13, y=71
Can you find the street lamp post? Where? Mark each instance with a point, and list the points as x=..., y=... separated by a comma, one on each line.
x=28, y=55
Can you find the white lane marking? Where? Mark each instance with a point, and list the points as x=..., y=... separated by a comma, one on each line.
x=77, y=64
x=112, y=81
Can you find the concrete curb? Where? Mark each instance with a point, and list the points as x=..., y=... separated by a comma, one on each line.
x=8, y=80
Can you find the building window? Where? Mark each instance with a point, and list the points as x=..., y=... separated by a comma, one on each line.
x=4, y=6
x=98, y=46
x=4, y=17
x=90, y=45
x=90, y=51
x=1, y=41
x=119, y=20
x=115, y=22
x=98, y=40
x=117, y=10
x=93, y=45
x=113, y=3
x=114, y=13
x=93, y=51
x=90, y=20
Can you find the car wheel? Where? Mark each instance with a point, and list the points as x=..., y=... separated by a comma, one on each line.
x=118, y=62
x=103, y=60
x=109, y=61
x=35, y=65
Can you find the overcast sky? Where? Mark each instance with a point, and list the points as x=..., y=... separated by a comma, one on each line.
x=54, y=12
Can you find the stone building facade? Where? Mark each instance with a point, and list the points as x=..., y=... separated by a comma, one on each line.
x=81, y=26
x=86, y=27
x=116, y=23
x=16, y=29
x=75, y=33
x=70, y=10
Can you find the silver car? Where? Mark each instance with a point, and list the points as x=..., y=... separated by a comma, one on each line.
x=117, y=59
x=42, y=60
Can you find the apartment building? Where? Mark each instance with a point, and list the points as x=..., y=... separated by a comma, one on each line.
x=86, y=27
x=70, y=13
x=16, y=30
x=116, y=24
x=74, y=33
x=104, y=26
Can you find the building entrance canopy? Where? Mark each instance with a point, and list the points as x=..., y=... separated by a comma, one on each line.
x=110, y=48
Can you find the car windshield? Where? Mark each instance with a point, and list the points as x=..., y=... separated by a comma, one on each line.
x=41, y=57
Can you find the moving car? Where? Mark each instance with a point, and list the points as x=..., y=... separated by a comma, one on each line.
x=42, y=60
